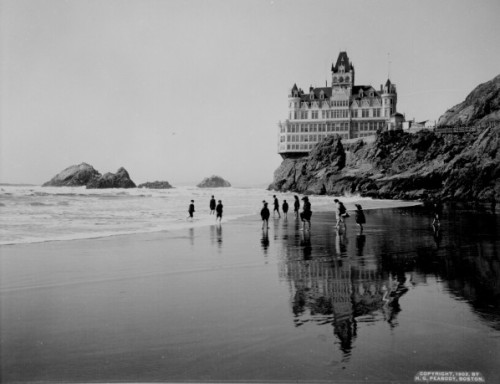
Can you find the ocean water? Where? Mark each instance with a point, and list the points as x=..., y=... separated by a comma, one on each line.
x=37, y=214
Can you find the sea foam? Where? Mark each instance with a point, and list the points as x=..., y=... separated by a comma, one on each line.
x=39, y=214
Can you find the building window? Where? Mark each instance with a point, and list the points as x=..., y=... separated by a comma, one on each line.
x=365, y=112
x=314, y=115
x=376, y=112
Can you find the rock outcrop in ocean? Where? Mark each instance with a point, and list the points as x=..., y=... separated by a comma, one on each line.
x=401, y=165
x=85, y=174
x=155, y=185
x=213, y=182
x=73, y=176
x=120, y=179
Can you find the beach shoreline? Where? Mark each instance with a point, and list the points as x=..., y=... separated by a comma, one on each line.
x=38, y=215
x=235, y=303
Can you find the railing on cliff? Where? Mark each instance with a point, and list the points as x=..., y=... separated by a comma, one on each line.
x=461, y=129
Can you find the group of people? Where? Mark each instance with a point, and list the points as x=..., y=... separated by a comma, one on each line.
x=342, y=214
x=305, y=215
x=215, y=208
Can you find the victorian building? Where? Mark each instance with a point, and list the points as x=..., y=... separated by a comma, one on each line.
x=346, y=109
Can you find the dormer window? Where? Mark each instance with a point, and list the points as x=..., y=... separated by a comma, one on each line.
x=322, y=95
x=360, y=93
x=311, y=96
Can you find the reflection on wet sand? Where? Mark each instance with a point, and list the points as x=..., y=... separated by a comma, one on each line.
x=264, y=241
x=219, y=235
x=342, y=286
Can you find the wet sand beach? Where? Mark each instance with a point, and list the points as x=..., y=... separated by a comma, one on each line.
x=234, y=303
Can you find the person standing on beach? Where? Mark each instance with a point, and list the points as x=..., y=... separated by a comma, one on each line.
x=285, y=208
x=359, y=217
x=212, y=205
x=341, y=212
x=306, y=213
x=296, y=206
x=437, y=210
x=218, y=209
x=264, y=214
x=276, y=206
x=191, y=210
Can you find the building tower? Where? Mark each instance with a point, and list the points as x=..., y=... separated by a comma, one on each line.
x=343, y=74
x=389, y=99
x=294, y=102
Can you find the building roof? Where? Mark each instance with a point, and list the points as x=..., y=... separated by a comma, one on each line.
x=327, y=91
x=343, y=59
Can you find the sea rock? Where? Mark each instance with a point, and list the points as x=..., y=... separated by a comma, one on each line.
x=480, y=106
x=120, y=179
x=213, y=182
x=73, y=176
x=155, y=185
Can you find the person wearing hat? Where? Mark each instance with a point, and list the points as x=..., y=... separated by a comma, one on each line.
x=306, y=213
x=264, y=214
x=191, y=210
x=359, y=217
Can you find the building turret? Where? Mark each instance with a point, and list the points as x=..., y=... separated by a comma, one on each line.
x=389, y=98
x=293, y=102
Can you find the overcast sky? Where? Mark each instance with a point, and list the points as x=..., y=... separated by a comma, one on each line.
x=180, y=90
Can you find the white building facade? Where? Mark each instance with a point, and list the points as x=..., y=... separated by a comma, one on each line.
x=346, y=109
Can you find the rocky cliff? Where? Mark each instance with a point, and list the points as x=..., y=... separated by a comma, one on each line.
x=481, y=105
x=85, y=174
x=400, y=165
